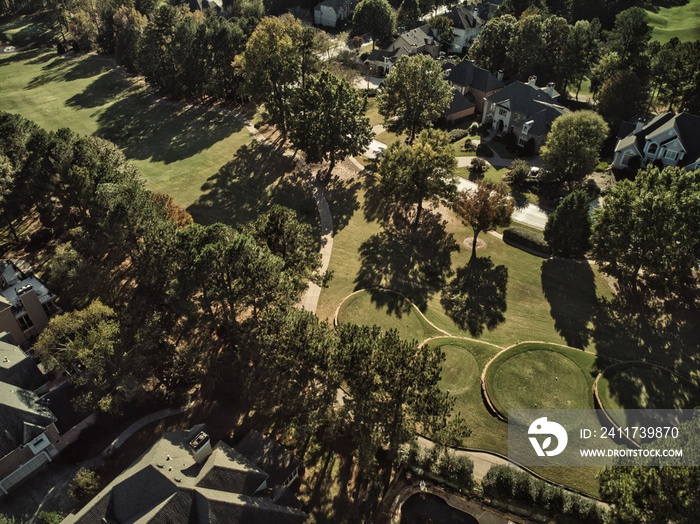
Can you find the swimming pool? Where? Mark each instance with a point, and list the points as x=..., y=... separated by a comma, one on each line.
x=424, y=508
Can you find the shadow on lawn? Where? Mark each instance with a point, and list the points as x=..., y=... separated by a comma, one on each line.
x=342, y=200
x=67, y=68
x=258, y=177
x=569, y=287
x=476, y=298
x=669, y=337
x=104, y=89
x=415, y=263
x=161, y=131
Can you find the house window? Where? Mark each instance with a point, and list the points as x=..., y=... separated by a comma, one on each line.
x=671, y=155
x=502, y=112
x=521, y=141
x=25, y=322
x=49, y=308
x=652, y=148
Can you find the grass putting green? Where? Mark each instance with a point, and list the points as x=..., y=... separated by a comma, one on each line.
x=681, y=21
x=540, y=376
x=379, y=308
x=461, y=374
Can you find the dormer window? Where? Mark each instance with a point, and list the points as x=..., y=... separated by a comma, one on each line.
x=670, y=155
x=652, y=148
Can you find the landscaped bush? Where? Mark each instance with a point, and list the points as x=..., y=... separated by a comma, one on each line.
x=526, y=238
x=474, y=128
x=478, y=166
x=440, y=463
x=457, y=134
x=468, y=146
x=517, y=174
x=510, y=141
x=484, y=150
x=511, y=485
x=84, y=486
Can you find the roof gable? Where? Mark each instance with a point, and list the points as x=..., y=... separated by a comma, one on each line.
x=268, y=455
x=467, y=74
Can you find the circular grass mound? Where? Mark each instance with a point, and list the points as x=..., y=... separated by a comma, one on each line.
x=460, y=370
x=532, y=376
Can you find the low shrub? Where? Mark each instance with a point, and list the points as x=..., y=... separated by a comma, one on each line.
x=474, y=128
x=526, y=238
x=457, y=134
x=469, y=146
x=478, y=166
x=484, y=150
x=517, y=174
x=511, y=485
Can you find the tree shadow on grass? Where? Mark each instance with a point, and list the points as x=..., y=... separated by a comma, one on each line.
x=667, y=337
x=21, y=56
x=569, y=287
x=104, y=89
x=146, y=128
x=415, y=263
x=258, y=177
x=67, y=68
x=476, y=298
x=342, y=199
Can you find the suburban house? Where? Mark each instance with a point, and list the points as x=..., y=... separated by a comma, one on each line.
x=466, y=27
x=26, y=304
x=329, y=12
x=205, y=5
x=671, y=139
x=33, y=428
x=473, y=82
x=486, y=9
x=182, y=479
x=281, y=465
x=525, y=110
x=416, y=41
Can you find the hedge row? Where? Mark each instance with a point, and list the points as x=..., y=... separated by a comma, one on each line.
x=512, y=485
x=457, y=471
x=526, y=238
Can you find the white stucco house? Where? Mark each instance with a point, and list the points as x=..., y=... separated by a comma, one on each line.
x=329, y=12
x=466, y=27
x=671, y=139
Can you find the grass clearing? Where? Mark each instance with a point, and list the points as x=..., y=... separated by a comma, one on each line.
x=682, y=22
x=193, y=153
x=27, y=29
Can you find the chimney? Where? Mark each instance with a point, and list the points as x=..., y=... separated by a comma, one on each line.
x=639, y=126
x=532, y=81
x=550, y=89
x=201, y=447
x=500, y=75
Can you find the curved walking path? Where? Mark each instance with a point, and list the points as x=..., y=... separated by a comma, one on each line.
x=310, y=300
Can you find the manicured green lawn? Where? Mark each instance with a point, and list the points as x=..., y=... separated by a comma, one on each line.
x=25, y=29
x=537, y=376
x=376, y=309
x=373, y=112
x=681, y=21
x=189, y=152
x=464, y=362
x=458, y=145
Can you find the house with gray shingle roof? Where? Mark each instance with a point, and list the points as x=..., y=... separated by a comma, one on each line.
x=524, y=109
x=671, y=139
x=469, y=79
x=329, y=12
x=183, y=480
x=466, y=26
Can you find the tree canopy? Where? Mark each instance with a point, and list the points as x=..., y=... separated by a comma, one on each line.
x=328, y=121
x=411, y=174
x=485, y=208
x=568, y=228
x=415, y=94
x=375, y=17
x=647, y=231
x=573, y=146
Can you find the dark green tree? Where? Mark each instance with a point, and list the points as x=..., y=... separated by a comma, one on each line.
x=443, y=29
x=490, y=48
x=629, y=38
x=573, y=146
x=375, y=17
x=657, y=494
x=621, y=98
x=393, y=388
x=412, y=174
x=328, y=121
x=415, y=94
x=409, y=14
x=568, y=229
x=646, y=234
x=293, y=241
